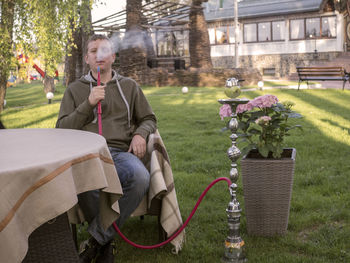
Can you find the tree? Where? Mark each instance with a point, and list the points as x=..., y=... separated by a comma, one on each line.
x=41, y=25
x=50, y=21
x=6, y=32
x=199, y=37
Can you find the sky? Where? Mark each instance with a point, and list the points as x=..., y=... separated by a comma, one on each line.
x=108, y=8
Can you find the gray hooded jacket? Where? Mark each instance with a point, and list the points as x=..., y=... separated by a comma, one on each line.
x=125, y=110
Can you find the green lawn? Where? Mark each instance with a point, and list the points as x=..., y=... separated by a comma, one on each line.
x=319, y=222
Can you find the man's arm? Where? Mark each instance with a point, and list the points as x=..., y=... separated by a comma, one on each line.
x=72, y=116
x=146, y=124
x=146, y=120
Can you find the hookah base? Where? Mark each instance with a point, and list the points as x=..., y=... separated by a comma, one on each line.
x=233, y=260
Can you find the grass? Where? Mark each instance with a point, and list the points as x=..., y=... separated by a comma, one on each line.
x=319, y=222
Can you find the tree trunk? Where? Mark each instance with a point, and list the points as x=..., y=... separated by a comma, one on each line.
x=199, y=37
x=79, y=53
x=49, y=84
x=6, y=32
x=70, y=60
x=133, y=14
x=86, y=32
x=133, y=52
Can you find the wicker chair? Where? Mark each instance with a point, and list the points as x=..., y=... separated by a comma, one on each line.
x=52, y=242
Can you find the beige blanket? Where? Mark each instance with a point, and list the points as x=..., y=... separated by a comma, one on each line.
x=162, y=187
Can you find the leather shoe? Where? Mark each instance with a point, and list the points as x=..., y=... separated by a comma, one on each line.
x=106, y=254
x=90, y=251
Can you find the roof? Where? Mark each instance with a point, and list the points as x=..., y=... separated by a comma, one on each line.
x=259, y=8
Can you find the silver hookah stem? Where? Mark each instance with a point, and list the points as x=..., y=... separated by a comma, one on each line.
x=234, y=244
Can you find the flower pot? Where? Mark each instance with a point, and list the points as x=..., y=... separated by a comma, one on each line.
x=267, y=189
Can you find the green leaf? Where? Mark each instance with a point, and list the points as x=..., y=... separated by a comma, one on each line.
x=247, y=149
x=254, y=131
x=263, y=150
x=278, y=151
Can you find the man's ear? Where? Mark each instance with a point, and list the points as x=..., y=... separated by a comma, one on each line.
x=86, y=59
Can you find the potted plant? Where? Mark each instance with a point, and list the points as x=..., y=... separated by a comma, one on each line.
x=267, y=166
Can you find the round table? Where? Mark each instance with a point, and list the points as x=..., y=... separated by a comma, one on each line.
x=41, y=173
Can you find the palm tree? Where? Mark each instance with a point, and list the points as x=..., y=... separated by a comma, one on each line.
x=199, y=37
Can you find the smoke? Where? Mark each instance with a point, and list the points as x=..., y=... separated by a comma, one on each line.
x=134, y=38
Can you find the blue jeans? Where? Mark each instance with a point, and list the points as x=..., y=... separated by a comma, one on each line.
x=134, y=179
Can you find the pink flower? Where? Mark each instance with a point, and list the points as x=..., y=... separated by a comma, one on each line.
x=263, y=120
x=244, y=107
x=265, y=101
x=225, y=111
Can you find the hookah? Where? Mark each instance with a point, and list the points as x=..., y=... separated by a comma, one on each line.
x=233, y=243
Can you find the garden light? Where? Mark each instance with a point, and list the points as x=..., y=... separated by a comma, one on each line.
x=261, y=84
x=49, y=96
x=184, y=90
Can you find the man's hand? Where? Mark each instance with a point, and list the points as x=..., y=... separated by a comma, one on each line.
x=138, y=146
x=97, y=93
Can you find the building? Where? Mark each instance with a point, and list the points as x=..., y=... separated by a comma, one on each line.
x=275, y=36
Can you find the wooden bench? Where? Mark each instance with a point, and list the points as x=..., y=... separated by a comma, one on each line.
x=322, y=73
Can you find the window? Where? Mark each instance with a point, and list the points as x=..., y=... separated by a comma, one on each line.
x=231, y=34
x=316, y=27
x=172, y=43
x=162, y=44
x=180, y=43
x=278, y=30
x=221, y=35
x=264, y=31
x=297, y=30
x=269, y=71
x=250, y=33
x=329, y=26
x=312, y=27
x=211, y=32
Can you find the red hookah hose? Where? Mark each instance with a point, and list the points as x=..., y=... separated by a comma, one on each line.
x=182, y=227
x=99, y=109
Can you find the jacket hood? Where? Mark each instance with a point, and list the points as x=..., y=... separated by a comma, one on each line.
x=88, y=78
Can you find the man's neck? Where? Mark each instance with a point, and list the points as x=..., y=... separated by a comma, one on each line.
x=105, y=75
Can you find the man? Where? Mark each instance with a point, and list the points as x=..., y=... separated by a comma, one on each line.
x=127, y=120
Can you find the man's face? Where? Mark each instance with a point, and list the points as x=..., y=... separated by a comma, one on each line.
x=100, y=54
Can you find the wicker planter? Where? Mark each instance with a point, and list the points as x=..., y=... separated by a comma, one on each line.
x=267, y=188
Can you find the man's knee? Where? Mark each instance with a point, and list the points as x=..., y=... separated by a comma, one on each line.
x=141, y=179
